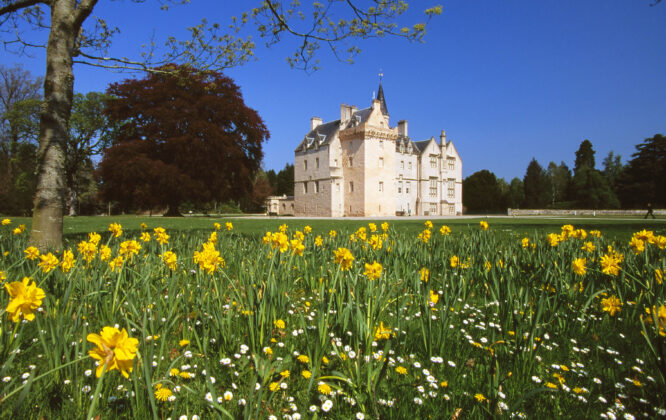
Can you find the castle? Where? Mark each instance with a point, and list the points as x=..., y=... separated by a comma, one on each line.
x=361, y=166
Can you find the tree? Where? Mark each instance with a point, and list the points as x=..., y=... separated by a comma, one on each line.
x=537, y=186
x=516, y=193
x=20, y=104
x=560, y=181
x=612, y=169
x=643, y=179
x=285, y=180
x=189, y=131
x=71, y=41
x=590, y=189
x=482, y=193
x=90, y=132
x=255, y=201
x=584, y=156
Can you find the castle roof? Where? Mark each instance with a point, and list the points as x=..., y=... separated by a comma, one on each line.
x=380, y=98
x=323, y=133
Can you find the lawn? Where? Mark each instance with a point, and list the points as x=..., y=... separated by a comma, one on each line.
x=616, y=228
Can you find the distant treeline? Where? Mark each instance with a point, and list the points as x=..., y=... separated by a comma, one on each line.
x=633, y=185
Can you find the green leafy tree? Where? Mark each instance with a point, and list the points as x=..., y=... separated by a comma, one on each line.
x=537, y=186
x=483, y=193
x=590, y=189
x=90, y=132
x=584, y=156
x=612, y=168
x=76, y=35
x=643, y=179
x=285, y=180
x=20, y=105
x=516, y=193
x=560, y=182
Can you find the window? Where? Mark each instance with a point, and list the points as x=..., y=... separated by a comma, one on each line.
x=452, y=163
x=381, y=186
x=451, y=189
x=433, y=209
x=305, y=187
x=402, y=164
x=400, y=187
x=452, y=209
x=433, y=161
x=351, y=161
x=305, y=165
x=317, y=163
x=407, y=185
x=351, y=186
x=381, y=162
x=316, y=189
x=433, y=187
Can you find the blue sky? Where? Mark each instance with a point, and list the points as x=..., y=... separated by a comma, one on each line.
x=507, y=80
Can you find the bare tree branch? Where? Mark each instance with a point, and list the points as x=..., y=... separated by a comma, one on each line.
x=13, y=7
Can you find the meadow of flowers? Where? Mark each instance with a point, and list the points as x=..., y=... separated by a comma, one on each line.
x=370, y=323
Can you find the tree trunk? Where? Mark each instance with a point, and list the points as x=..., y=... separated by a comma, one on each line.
x=172, y=211
x=73, y=202
x=53, y=133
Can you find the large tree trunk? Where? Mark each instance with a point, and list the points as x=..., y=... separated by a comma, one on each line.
x=53, y=128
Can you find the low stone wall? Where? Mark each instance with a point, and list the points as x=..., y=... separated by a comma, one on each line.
x=582, y=212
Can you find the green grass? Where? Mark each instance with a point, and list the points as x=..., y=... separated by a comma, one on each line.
x=614, y=228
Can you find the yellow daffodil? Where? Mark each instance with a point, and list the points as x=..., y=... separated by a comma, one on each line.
x=115, y=350
x=48, y=263
x=612, y=305
x=31, y=253
x=116, y=229
x=578, y=266
x=373, y=271
x=26, y=297
x=68, y=261
x=344, y=258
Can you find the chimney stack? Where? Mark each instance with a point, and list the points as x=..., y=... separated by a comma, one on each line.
x=344, y=113
x=315, y=122
x=442, y=138
x=402, y=128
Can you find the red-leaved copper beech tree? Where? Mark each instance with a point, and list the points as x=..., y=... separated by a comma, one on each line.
x=183, y=134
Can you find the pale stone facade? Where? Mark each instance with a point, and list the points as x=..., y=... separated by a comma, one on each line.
x=280, y=205
x=361, y=166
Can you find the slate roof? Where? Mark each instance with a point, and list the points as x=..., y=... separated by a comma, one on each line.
x=323, y=133
x=420, y=145
x=380, y=98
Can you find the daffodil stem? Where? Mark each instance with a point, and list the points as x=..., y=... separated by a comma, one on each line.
x=11, y=339
x=91, y=410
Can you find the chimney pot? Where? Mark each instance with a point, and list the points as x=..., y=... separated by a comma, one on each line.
x=315, y=122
